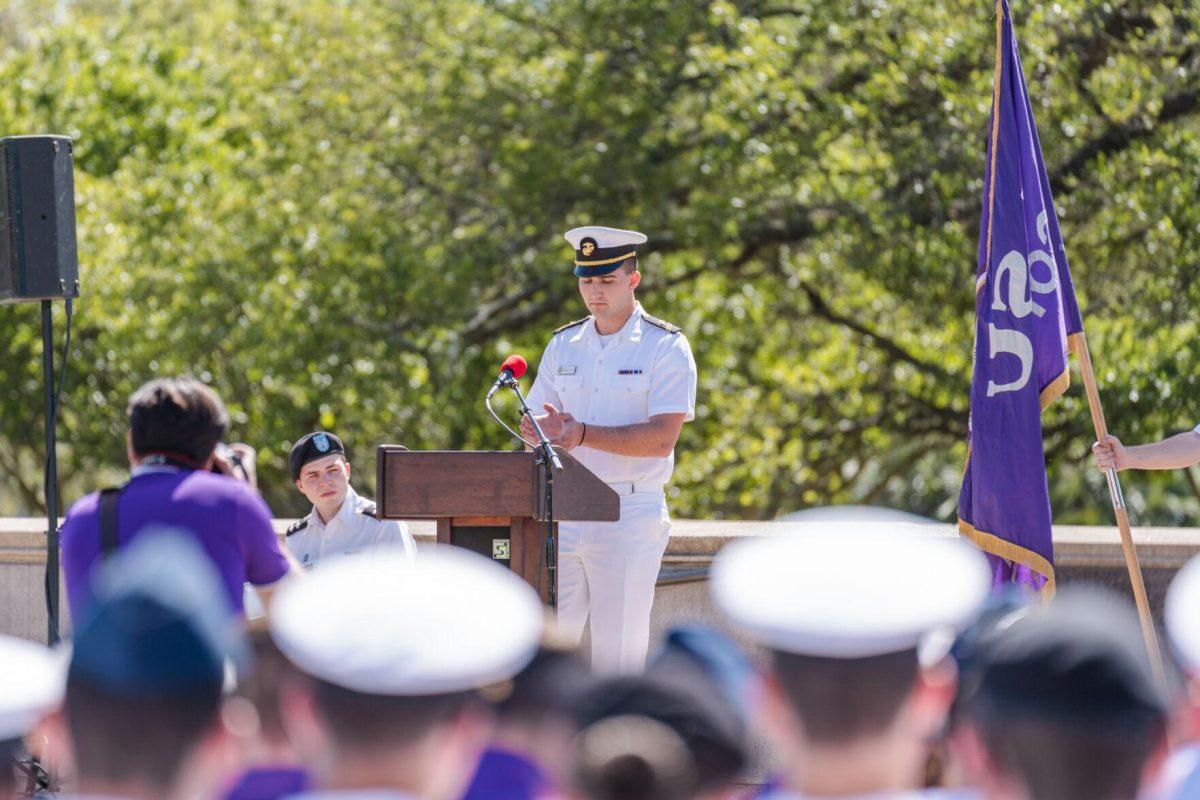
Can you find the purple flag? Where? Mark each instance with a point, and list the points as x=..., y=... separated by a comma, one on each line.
x=1025, y=316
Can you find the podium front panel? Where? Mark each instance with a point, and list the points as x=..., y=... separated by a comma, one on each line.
x=432, y=483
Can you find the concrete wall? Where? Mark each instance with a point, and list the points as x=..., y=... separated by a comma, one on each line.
x=1081, y=553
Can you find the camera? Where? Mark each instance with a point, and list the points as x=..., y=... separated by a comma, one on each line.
x=226, y=454
x=223, y=450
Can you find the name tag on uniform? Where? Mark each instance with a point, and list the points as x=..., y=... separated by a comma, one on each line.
x=565, y=371
x=629, y=372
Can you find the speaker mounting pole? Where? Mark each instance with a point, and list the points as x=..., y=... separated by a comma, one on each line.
x=51, y=489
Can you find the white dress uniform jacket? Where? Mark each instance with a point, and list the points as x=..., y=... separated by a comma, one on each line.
x=609, y=569
x=353, y=529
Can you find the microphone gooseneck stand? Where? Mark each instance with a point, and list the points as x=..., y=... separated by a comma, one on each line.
x=548, y=464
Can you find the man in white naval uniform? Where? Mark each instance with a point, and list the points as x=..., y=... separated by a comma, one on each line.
x=386, y=705
x=846, y=699
x=616, y=387
x=340, y=522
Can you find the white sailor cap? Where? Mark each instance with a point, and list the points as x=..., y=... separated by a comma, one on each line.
x=1182, y=616
x=32, y=680
x=449, y=621
x=600, y=250
x=837, y=591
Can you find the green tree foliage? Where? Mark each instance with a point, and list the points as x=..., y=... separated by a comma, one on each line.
x=345, y=213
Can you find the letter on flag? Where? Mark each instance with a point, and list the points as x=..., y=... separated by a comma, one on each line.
x=1025, y=317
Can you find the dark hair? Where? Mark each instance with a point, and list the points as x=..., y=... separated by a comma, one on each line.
x=633, y=758
x=371, y=722
x=119, y=739
x=1054, y=762
x=841, y=699
x=548, y=687
x=177, y=416
x=630, y=264
x=262, y=684
x=691, y=708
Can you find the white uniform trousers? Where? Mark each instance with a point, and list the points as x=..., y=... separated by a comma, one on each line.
x=610, y=569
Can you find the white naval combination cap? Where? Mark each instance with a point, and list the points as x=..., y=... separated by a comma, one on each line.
x=32, y=680
x=838, y=591
x=1181, y=614
x=600, y=250
x=380, y=623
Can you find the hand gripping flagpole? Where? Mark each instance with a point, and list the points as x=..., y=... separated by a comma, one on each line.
x=1122, y=514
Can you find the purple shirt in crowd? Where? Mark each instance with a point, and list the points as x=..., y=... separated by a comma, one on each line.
x=505, y=775
x=269, y=783
x=228, y=518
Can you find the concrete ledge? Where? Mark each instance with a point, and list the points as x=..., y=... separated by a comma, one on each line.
x=1081, y=553
x=1074, y=545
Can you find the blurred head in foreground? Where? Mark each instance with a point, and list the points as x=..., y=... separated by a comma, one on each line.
x=1062, y=703
x=392, y=655
x=856, y=624
x=529, y=754
x=677, y=731
x=144, y=687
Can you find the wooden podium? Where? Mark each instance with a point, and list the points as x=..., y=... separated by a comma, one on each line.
x=490, y=502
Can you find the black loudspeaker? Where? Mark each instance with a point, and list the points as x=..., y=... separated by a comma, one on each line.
x=38, y=260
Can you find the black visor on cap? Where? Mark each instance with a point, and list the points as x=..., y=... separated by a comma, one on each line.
x=592, y=261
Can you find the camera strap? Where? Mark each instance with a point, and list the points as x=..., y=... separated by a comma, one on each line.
x=111, y=496
x=108, y=520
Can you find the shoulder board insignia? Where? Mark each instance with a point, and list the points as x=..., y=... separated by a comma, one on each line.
x=298, y=525
x=369, y=510
x=570, y=325
x=658, y=323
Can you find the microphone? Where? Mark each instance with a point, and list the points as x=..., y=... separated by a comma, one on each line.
x=513, y=368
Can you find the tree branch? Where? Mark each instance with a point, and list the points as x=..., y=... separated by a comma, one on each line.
x=900, y=467
x=889, y=346
x=1116, y=28
x=1119, y=136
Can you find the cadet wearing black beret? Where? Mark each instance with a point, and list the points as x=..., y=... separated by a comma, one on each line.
x=312, y=446
x=341, y=521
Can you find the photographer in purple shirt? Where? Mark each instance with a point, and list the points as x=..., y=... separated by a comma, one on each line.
x=178, y=481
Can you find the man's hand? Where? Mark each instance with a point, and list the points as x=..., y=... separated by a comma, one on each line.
x=562, y=429
x=238, y=460
x=1109, y=453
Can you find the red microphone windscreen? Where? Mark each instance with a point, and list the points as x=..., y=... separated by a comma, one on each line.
x=515, y=364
